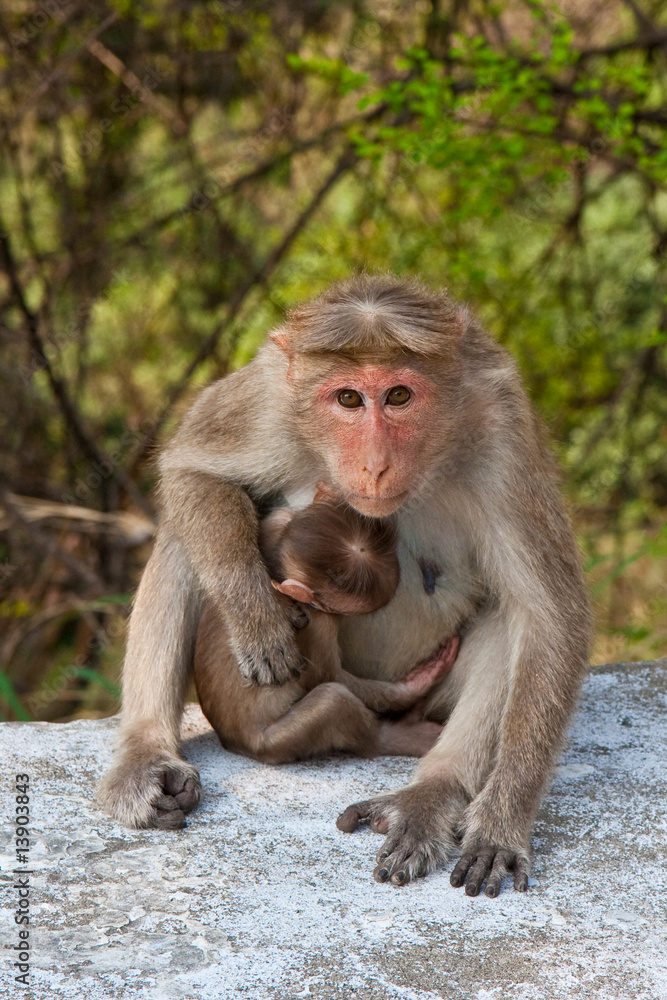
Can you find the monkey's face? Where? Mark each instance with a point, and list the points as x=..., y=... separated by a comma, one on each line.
x=371, y=425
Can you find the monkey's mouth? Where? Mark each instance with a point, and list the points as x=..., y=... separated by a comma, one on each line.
x=377, y=506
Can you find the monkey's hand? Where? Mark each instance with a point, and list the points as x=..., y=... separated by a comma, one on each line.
x=144, y=791
x=419, y=821
x=483, y=859
x=264, y=643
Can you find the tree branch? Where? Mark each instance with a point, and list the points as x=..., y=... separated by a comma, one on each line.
x=61, y=67
x=133, y=83
x=46, y=544
x=652, y=40
x=70, y=414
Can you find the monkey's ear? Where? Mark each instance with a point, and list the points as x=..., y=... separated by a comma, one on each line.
x=294, y=589
x=281, y=338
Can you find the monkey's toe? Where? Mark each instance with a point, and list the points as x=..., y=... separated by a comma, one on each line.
x=180, y=791
x=167, y=815
x=406, y=856
x=372, y=811
x=419, y=821
x=489, y=865
x=185, y=789
x=349, y=820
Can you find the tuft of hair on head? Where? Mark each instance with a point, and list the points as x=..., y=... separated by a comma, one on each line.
x=373, y=314
x=349, y=561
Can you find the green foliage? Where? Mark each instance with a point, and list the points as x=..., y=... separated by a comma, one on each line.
x=515, y=152
x=96, y=678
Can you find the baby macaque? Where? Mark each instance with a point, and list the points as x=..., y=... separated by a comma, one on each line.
x=336, y=562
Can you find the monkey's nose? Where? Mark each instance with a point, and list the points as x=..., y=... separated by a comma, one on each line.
x=376, y=468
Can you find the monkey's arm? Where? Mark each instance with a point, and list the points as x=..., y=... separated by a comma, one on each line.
x=236, y=438
x=217, y=524
x=206, y=544
x=280, y=724
x=545, y=620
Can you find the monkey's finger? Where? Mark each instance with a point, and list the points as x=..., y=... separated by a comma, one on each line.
x=498, y=872
x=181, y=788
x=170, y=821
x=460, y=870
x=297, y=615
x=166, y=803
x=451, y=651
x=349, y=820
x=478, y=872
x=521, y=869
x=379, y=824
x=188, y=797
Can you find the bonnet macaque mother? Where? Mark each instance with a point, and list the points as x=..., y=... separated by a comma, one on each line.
x=394, y=396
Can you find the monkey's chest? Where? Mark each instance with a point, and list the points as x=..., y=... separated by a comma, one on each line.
x=432, y=603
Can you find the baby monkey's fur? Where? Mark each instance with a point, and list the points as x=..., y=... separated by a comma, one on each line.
x=337, y=562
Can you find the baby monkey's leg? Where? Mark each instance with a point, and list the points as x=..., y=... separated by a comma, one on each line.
x=330, y=718
x=327, y=719
x=393, y=696
x=412, y=736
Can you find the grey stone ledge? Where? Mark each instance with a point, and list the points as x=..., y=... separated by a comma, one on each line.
x=261, y=897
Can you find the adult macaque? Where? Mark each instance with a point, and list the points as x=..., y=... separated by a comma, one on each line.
x=397, y=398
x=339, y=563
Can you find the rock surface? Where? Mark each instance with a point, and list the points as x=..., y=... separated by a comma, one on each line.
x=261, y=897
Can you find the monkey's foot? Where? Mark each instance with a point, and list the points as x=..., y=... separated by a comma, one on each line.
x=157, y=792
x=482, y=860
x=426, y=674
x=419, y=821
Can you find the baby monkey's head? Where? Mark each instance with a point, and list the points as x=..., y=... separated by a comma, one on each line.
x=332, y=557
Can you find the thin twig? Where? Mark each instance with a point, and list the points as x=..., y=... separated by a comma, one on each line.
x=256, y=173
x=61, y=67
x=58, y=387
x=133, y=83
x=655, y=40
x=130, y=529
x=47, y=544
x=70, y=609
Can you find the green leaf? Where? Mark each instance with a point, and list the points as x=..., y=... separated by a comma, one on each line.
x=8, y=693
x=95, y=678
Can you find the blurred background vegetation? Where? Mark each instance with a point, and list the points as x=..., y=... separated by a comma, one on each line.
x=174, y=175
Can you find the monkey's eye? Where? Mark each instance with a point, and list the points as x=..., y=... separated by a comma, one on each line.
x=398, y=396
x=350, y=398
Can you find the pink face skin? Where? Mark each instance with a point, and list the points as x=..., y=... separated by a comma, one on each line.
x=379, y=439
